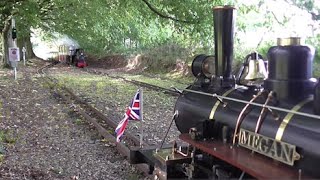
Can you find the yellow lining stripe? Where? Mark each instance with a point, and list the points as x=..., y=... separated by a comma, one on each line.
x=288, y=117
x=214, y=108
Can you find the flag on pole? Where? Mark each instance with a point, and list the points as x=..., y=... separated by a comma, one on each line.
x=133, y=113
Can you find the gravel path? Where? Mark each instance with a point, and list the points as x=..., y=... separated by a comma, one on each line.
x=42, y=139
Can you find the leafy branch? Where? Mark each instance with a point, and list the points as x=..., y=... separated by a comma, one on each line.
x=153, y=9
x=308, y=6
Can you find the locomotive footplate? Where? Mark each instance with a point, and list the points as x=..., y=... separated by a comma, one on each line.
x=164, y=162
x=170, y=163
x=167, y=157
x=254, y=164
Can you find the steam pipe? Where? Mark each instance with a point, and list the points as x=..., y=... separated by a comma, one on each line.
x=224, y=19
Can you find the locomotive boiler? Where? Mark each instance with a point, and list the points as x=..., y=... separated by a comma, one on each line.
x=261, y=122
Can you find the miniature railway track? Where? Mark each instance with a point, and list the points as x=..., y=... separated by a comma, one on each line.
x=101, y=122
x=139, y=83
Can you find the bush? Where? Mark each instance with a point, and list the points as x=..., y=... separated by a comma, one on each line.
x=165, y=56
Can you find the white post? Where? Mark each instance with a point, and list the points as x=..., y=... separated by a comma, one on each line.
x=141, y=115
x=15, y=73
x=14, y=52
x=24, y=55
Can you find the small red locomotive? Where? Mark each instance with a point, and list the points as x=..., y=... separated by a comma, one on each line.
x=81, y=61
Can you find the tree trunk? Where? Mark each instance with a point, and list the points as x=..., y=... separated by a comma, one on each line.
x=5, y=44
x=21, y=42
x=2, y=60
x=26, y=42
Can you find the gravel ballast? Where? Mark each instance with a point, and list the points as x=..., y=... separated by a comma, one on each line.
x=43, y=139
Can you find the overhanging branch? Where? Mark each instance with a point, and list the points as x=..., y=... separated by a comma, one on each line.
x=166, y=16
x=315, y=15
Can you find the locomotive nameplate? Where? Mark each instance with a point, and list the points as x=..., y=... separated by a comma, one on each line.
x=278, y=150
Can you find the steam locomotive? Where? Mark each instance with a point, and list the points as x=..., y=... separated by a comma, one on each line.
x=261, y=123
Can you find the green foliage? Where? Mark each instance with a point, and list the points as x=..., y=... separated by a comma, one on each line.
x=114, y=26
x=316, y=69
x=27, y=13
x=150, y=26
x=315, y=42
x=165, y=56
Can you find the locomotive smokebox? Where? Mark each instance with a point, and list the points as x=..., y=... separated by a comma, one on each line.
x=224, y=19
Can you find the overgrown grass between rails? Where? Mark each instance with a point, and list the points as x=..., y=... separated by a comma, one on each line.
x=99, y=83
x=98, y=87
x=161, y=82
x=116, y=92
x=102, y=83
x=165, y=80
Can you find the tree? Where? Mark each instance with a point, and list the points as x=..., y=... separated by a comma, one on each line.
x=308, y=5
x=118, y=25
x=28, y=14
x=7, y=10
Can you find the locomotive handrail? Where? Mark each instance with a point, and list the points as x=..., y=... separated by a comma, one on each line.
x=253, y=103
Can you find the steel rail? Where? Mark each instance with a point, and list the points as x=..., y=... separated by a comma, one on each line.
x=111, y=123
x=124, y=150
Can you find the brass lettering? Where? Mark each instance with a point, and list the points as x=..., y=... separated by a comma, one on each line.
x=287, y=152
x=263, y=145
x=255, y=142
x=273, y=150
x=278, y=150
x=243, y=137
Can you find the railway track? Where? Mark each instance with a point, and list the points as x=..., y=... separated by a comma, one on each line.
x=172, y=92
x=104, y=125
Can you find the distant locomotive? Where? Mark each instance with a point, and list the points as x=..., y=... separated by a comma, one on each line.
x=72, y=56
x=79, y=59
x=262, y=123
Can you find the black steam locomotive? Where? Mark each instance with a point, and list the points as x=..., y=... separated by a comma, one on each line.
x=261, y=123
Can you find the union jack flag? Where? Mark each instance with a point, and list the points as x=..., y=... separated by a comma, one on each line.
x=132, y=113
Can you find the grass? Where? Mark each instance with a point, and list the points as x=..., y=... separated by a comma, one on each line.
x=115, y=91
x=97, y=86
x=133, y=177
x=98, y=83
x=79, y=121
x=165, y=83
x=2, y=136
x=6, y=136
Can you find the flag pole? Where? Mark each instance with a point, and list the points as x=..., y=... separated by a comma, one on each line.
x=141, y=115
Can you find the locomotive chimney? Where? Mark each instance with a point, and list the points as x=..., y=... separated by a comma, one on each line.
x=224, y=19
